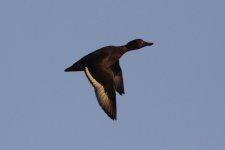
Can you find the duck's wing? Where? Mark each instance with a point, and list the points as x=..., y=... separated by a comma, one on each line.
x=118, y=77
x=102, y=80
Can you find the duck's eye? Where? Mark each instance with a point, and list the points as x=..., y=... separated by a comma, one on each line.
x=140, y=43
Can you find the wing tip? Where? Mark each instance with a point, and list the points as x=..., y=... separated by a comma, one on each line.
x=120, y=91
x=111, y=115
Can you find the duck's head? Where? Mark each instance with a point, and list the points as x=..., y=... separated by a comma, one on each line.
x=137, y=43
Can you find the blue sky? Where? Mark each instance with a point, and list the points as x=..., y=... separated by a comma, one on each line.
x=175, y=89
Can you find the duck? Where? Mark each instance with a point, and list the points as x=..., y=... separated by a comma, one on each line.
x=103, y=70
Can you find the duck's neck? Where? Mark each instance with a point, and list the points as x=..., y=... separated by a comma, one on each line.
x=122, y=49
x=129, y=48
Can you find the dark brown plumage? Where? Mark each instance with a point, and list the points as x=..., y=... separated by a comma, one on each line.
x=103, y=70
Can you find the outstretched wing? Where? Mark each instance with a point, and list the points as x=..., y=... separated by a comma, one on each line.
x=102, y=81
x=118, y=77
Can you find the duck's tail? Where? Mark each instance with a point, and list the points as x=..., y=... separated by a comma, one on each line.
x=78, y=66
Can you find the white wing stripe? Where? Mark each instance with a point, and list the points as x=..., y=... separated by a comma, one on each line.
x=100, y=92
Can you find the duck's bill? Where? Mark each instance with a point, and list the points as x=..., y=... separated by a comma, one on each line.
x=148, y=43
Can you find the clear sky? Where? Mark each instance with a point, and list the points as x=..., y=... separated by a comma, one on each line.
x=175, y=89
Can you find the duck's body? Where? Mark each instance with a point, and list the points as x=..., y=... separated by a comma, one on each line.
x=104, y=56
x=103, y=70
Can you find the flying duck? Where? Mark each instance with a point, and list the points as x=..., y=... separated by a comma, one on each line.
x=103, y=70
